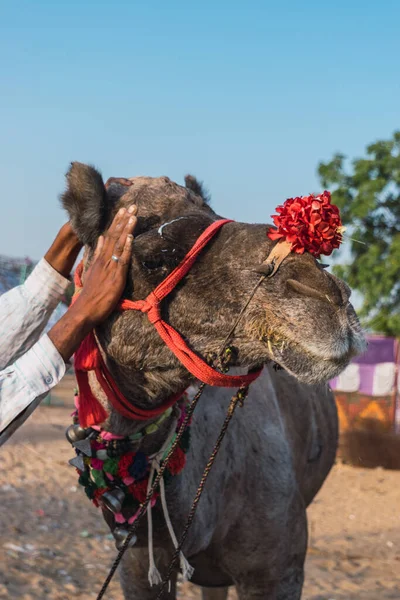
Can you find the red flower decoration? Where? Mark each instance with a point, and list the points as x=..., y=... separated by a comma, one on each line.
x=124, y=463
x=310, y=223
x=177, y=461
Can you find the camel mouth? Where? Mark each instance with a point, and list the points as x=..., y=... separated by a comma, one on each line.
x=312, y=363
x=303, y=364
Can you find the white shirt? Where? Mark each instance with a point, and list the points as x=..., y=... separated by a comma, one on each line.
x=30, y=364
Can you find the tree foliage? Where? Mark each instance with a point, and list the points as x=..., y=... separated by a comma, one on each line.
x=368, y=195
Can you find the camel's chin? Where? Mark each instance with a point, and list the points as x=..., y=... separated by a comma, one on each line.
x=308, y=367
x=313, y=374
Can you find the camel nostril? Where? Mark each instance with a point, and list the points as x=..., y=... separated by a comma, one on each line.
x=305, y=290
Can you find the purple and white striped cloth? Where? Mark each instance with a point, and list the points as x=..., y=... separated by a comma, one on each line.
x=372, y=373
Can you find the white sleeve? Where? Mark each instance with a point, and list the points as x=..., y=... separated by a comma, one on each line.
x=24, y=383
x=25, y=310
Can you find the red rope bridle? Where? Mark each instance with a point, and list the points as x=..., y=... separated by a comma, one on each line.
x=88, y=356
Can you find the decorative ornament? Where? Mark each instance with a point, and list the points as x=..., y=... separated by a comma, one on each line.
x=124, y=463
x=177, y=461
x=139, y=490
x=75, y=433
x=139, y=467
x=120, y=534
x=110, y=466
x=98, y=478
x=83, y=446
x=77, y=462
x=115, y=474
x=113, y=500
x=308, y=224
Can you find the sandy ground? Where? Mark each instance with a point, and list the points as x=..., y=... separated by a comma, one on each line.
x=55, y=545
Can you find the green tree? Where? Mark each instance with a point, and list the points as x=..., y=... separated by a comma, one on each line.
x=368, y=195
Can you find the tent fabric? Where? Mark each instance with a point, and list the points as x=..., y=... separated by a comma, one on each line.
x=374, y=372
x=380, y=349
x=348, y=381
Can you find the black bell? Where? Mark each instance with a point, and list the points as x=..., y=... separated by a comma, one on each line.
x=113, y=500
x=120, y=534
x=75, y=433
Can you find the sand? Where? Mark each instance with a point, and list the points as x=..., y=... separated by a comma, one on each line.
x=55, y=545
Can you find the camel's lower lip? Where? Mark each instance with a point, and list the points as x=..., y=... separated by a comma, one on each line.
x=306, y=364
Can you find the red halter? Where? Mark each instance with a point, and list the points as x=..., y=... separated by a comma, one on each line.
x=88, y=356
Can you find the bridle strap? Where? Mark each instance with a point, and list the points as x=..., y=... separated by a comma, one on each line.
x=175, y=342
x=171, y=281
x=122, y=405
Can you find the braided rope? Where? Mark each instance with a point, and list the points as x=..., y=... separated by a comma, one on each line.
x=224, y=356
x=144, y=505
x=238, y=398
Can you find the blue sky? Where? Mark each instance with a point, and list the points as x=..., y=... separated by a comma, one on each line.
x=248, y=96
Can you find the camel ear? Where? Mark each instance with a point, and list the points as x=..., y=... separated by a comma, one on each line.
x=86, y=202
x=197, y=187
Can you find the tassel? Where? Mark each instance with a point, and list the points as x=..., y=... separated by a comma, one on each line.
x=90, y=411
x=87, y=358
x=154, y=573
x=186, y=569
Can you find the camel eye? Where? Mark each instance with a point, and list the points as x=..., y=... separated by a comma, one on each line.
x=153, y=263
x=166, y=259
x=323, y=266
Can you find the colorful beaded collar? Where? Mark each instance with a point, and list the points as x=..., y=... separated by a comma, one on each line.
x=115, y=472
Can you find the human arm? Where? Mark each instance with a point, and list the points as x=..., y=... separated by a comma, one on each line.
x=24, y=383
x=104, y=283
x=25, y=309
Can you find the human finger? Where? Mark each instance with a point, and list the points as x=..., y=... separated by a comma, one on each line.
x=118, y=225
x=117, y=221
x=126, y=253
x=121, y=218
x=100, y=243
x=113, y=231
x=128, y=230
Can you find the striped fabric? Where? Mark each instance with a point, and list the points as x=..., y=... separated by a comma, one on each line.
x=30, y=365
x=374, y=372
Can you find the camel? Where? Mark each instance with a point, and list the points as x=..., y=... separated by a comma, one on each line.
x=250, y=529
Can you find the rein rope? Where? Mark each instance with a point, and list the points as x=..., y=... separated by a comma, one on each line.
x=201, y=370
x=143, y=508
x=224, y=357
x=304, y=236
x=238, y=398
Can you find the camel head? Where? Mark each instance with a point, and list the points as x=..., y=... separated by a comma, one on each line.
x=300, y=318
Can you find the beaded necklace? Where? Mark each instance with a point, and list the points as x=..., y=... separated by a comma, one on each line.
x=114, y=471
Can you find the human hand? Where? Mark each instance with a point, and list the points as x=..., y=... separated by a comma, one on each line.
x=106, y=277
x=103, y=286
x=64, y=251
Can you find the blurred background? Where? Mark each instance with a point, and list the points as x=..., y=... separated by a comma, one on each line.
x=262, y=101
